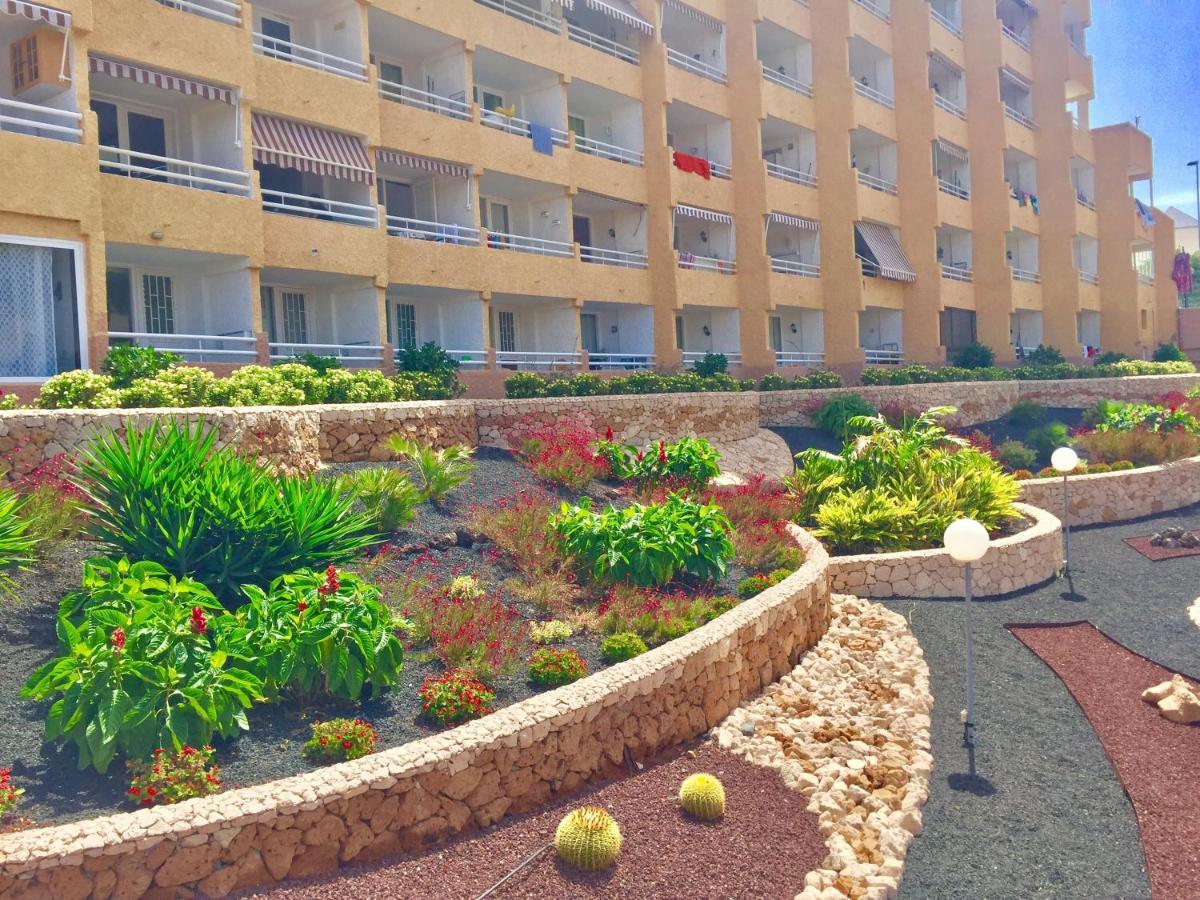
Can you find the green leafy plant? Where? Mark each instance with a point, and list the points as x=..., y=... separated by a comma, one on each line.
x=622, y=646
x=429, y=357
x=1140, y=446
x=552, y=667
x=687, y=463
x=711, y=364
x=647, y=545
x=1047, y=438
x=658, y=616
x=165, y=493
x=835, y=416
x=1150, y=416
x=10, y=797
x=437, y=472
x=18, y=541
x=1026, y=414
x=525, y=385
x=1015, y=455
x=358, y=386
x=553, y=631
x=974, y=356
x=562, y=452
x=1169, y=353
x=129, y=363
x=456, y=696
x=1123, y=465
x=387, y=494
x=78, y=389
x=171, y=777
x=322, y=364
x=1044, y=356
x=427, y=385
x=1107, y=359
x=756, y=584
x=340, y=739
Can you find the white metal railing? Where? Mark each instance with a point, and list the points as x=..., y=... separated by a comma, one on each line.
x=876, y=183
x=147, y=166
x=691, y=357
x=582, y=36
x=520, y=11
x=237, y=347
x=794, y=267
x=1089, y=277
x=1143, y=278
x=707, y=264
x=720, y=170
x=1027, y=276
x=1018, y=39
x=22, y=118
x=786, y=81
x=439, y=232
x=307, y=56
x=624, y=259
x=799, y=358
x=620, y=361
x=1085, y=203
x=537, y=359
x=1019, y=117
x=518, y=126
x=953, y=27
x=467, y=359
x=593, y=147
x=869, y=269
x=957, y=273
x=775, y=170
x=948, y=105
x=226, y=11
x=350, y=354
x=954, y=190
x=874, y=9
x=444, y=106
x=883, y=357
x=695, y=66
x=320, y=208
x=498, y=240
x=875, y=96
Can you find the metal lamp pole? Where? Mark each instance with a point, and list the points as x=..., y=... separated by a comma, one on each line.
x=967, y=542
x=969, y=725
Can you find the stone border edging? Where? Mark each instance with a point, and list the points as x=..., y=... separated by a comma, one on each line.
x=418, y=793
x=1018, y=561
x=1120, y=496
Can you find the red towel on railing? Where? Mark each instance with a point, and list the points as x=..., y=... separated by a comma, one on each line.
x=685, y=162
x=1182, y=273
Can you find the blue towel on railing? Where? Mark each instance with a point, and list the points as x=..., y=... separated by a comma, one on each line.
x=543, y=138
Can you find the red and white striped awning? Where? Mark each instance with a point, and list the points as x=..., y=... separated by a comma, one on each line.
x=794, y=221
x=36, y=12
x=695, y=212
x=622, y=11
x=706, y=20
x=99, y=65
x=307, y=148
x=421, y=162
x=951, y=150
x=886, y=250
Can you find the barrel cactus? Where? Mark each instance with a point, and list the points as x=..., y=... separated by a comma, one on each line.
x=588, y=839
x=703, y=796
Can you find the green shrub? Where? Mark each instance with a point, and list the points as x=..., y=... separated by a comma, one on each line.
x=554, y=631
x=9, y=401
x=262, y=386
x=689, y=462
x=129, y=363
x=835, y=415
x=165, y=494
x=974, y=356
x=437, y=472
x=1015, y=455
x=442, y=385
x=358, y=386
x=1122, y=465
x=524, y=385
x=1047, y=438
x=1098, y=468
x=1026, y=414
x=429, y=357
x=551, y=667
x=191, y=386
x=822, y=378
x=647, y=545
x=773, y=381
x=340, y=739
x=321, y=364
x=1148, y=416
x=1169, y=353
x=622, y=646
x=388, y=495
x=756, y=584
x=168, y=778
x=1044, y=356
x=17, y=542
x=712, y=364
x=455, y=696
x=658, y=616
x=78, y=389
x=1107, y=359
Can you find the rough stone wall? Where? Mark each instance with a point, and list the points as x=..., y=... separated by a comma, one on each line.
x=1012, y=563
x=360, y=432
x=1119, y=496
x=422, y=792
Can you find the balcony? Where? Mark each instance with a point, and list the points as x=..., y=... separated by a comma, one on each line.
x=1089, y=278
x=314, y=207
x=697, y=134
x=695, y=42
x=609, y=362
x=785, y=266
x=617, y=336
x=439, y=232
x=452, y=107
x=956, y=273
x=1019, y=39
x=536, y=333
x=872, y=72
x=237, y=347
x=581, y=35
x=352, y=356
x=949, y=106
x=605, y=124
x=876, y=183
x=19, y=117
x=953, y=190
x=167, y=170
x=452, y=319
x=518, y=126
x=326, y=315
x=227, y=11
x=786, y=81
x=1025, y=276
x=688, y=260
x=696, y=66
x=949, y=16
x=525, y=13
x=795, y=176
x=784, y=358
x=519, y=243
x=882, y=357
x=625, y=259
x=287, y=51
x=593, y=147
x=874, y=95
x=876, y=9
x=1019, y=117
x=691, y=357
x=609, y=28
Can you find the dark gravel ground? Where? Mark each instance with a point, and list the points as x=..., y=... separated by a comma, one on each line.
x=1046, y=815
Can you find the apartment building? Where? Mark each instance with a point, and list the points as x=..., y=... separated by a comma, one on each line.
x=566, y=185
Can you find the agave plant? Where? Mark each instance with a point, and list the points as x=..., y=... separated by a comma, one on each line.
x=436, y=472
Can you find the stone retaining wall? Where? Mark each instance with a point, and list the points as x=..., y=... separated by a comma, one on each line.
x=422, y=792
x=1019, y=561
x=1118, y=496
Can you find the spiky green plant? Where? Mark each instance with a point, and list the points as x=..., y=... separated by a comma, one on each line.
x=588, y=838
x=17, y=542
x=437, y=472
x=703, y=796
x=387, y=494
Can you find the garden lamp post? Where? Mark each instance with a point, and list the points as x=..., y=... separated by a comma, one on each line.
x=967, y=542
x=1064, y=460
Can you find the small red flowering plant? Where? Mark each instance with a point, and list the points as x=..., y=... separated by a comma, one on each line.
x=551, y=666
x=455, y=696
x=9, y=796
x=340, y=739
x=472, y=631
x=172, y=777
x=562, y=452
x=688, y=464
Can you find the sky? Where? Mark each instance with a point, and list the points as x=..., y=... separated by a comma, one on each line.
x=1146, y=65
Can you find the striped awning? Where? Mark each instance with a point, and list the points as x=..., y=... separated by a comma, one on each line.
x=307, y=148
x=794, y=221
x=99, y=65
x=623, y=12
x=694, y=212
x=882, y=248
x=421, y=162
x=952, y=150
x=36, y=12
x=703, y=19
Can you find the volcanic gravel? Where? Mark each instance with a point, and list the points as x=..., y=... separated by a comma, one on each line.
x=1045, y=814
x=1158, y=761
x=762, y=848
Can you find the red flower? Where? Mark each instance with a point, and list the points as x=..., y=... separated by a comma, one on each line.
x=608, y=434
x=199, y=621
x=150, y=792
x=118, y=639
x=346, y=745
x=331, y=585
x=301, y=606
x=662, y=452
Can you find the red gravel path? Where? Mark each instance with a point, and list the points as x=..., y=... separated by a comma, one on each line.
x=1157, y=761
x=1156, y=554
x=763, y=848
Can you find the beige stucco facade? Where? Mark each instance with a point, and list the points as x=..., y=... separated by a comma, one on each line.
x=752, y=300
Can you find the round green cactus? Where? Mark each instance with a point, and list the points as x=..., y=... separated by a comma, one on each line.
x=703, y=796
x=588, y=839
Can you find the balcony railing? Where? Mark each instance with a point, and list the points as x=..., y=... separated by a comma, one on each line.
x=1143, y=278
x=604, y=45
x=691, y=357
x=1026, y=276
x=1019, y=117
x=875, y=96
x=799, y=358
x=147, y=166
x=453, y=107
x=1018, y=39
x=40, y=121
x=883, y=357
x=957, y=273
x=775, y=170
x=307, y=56
x=696, y=67
x=948, y=105
x=620, y=361
x=535, y=17
x=226, y=11
x=360, y=355
x=320, y=208
x=537, y=359
x=786, y=81
x=707, y=264
x=794, y=267
x=869, y=269
x=236, y=347
x=467, y=359
x=498, y=240
x=624, y=259
x=593, y=147
x=720, y=170
x=874, y=9
x=951, y=26
x=878, y=184
x=439, y=232
x=1085, y=203
x=518, y=126
x=954, y=190
x=1089, y=277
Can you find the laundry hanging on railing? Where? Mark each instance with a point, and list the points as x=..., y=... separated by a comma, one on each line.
x=543, y=138
x=1145, y=212
x=685, y=162
x=1182, y=273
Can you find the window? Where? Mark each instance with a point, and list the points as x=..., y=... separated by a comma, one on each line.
x=679, y=332
x=399, y=200
x=577, y=125
x=266, y=300
x=391, y=72
x=39, y=306
x=489, y=100
x=158, y=301
x=277, y=38
x=295, y=321
x=507, y=322
x=589, y=332
x=776, y=324
x=406, y=326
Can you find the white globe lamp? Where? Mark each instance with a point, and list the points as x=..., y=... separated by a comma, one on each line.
x=1064, y=460
x=966, y=540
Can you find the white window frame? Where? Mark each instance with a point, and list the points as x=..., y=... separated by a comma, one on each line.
x=78, y=248
x=397, y=306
